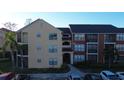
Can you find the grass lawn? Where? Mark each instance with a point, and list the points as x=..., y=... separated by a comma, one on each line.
x=5, y=66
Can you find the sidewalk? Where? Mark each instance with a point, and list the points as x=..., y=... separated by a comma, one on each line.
x=75, y=70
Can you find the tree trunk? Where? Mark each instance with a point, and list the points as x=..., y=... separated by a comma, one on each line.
x=12, y=59
x=109, y=62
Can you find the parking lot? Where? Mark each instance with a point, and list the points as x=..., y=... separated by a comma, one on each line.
x=73, y=74
x=55, y=76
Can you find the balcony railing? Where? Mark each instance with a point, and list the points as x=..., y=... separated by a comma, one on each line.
x=92, y=50
x=110, y=38
x=92, y=38
x=23, y=50
x=66, y=38
x=66, y=49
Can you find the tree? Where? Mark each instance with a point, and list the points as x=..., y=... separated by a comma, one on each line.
x=10, y=41
x=10, y=26
x=110, y=55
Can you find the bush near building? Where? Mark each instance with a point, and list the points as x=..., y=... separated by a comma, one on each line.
x=98, y=66
x=5, y=66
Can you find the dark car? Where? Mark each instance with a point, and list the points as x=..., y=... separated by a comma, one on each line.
x=92, y=76
x=7, y=76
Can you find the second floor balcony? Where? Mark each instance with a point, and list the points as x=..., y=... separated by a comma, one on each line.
x=66, y=37
x=22, y=37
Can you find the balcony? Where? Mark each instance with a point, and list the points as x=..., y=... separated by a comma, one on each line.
x=92, y=37
x=92, y=48
x=23, y=50
x=67, y=49
x=108, y=38
x=66, y=44
x=22, y=62
x=66, y=37
x=22, y=37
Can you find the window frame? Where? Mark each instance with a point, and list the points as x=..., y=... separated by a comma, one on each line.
x=53, y=61
x=79, y=47
x=52, y=48
x=51, y=36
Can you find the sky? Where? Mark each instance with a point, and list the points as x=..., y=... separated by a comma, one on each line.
x=63, y=19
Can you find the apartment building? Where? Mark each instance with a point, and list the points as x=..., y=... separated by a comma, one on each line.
x=46, y=46
x=89, y=42
x=41, y=46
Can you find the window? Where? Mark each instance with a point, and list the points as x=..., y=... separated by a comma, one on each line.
x=120, y=36
x=52, y=61
x=38, y=34
x=79, y=37
x=79, y=58
x=38, y=47
x=53, y=36
x=18, y=36
x=52, y=49
x=92, y=48
x=120, y=47
x=79, y=47
x=104, y=74
x=25, y=37
x=39, y=60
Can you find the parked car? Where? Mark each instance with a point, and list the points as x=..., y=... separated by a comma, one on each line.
x=120, y=75
x=7, y=76
x=92, y=76
x=74, y=76
x=108, y=75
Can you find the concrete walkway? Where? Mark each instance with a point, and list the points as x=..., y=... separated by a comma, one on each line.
x=75, y=70
x=57, y=75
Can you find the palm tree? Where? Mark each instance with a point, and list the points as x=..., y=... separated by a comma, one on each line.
x=10, y=42
x=111, y=54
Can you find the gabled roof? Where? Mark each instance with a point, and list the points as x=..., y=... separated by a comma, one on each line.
x=4, y=29
x=65, y=30
x=94, y=28
x=29, y=24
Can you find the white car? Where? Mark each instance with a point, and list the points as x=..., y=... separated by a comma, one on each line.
x=108, y=75
x=74, y=76
x=120, y=75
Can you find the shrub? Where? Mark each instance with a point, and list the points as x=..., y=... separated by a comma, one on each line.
x=64, y=68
